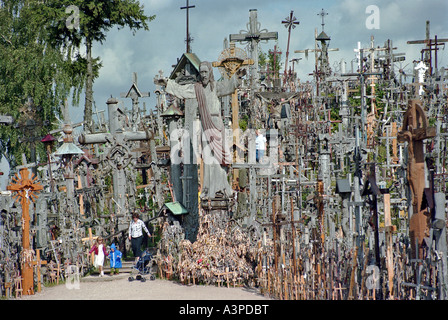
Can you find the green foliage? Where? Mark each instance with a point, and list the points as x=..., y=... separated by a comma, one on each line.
x=29, y=68
x=267, y=60
x=243, y=122
x=39, y=59
x=90, y=23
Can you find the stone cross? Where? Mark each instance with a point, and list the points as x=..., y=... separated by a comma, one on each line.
x=231, y=64
x=253, y=35
x=25, y=186
x=118, y=154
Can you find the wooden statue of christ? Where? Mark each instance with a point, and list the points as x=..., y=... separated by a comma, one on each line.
x=216, y=153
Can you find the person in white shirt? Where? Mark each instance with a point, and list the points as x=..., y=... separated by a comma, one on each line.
x=136, y=234
x=260, y=145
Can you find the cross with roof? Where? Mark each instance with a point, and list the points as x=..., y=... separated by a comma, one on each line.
x=134, y=93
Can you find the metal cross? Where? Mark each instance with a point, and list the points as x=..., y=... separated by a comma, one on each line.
x=189, y=39
x=290, y=23
x=323, y=14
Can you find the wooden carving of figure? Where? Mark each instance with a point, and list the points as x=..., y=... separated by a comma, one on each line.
x=216, y=154
x=415, y=129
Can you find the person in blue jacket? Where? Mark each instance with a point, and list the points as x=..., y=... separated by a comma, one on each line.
x=115, y=259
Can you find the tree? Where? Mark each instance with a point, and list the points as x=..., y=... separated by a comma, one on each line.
x=34, y=79
x=73, y=22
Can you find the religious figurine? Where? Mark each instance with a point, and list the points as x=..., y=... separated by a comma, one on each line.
x=216, y=154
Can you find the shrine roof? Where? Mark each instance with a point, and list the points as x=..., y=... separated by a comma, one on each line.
x=68, y=148
x=186, y=58
x=172, y=111
x=176, y=208
x=323, y=36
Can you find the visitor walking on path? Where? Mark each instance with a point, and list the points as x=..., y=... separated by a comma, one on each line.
x=100, y=253
x=136, y=234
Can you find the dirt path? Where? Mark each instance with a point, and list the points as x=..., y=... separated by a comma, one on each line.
x=122, y=289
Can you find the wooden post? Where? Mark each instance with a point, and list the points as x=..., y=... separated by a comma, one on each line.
x=389, y=253
x=25, y=187
x=352, y=276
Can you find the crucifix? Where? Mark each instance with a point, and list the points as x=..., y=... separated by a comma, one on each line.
x=26, y=186
x=189, y=39
x=231, y=63
x=290, y=23
x=253, y=35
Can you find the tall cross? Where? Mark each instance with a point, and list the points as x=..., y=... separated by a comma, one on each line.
x=26, y=186
x=290, y=23
x=253, y=35
x=188, y=40
x=322, y=14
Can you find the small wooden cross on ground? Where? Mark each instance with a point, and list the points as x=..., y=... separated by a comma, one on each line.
x=25, y=186
x=38, y=263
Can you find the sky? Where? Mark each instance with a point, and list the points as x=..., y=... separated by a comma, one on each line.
x=211, y=21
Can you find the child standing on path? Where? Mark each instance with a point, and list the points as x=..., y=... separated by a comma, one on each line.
x=100, y=253
x=115, y=259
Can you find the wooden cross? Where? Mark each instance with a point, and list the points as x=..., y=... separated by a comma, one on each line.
x=290, y=23
x=322, y=14
x=25, y=187
x=232, y=63
x=38, y=263
x=431, y=45
x=188, y=40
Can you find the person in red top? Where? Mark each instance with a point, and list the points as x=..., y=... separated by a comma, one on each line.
x=100, y=253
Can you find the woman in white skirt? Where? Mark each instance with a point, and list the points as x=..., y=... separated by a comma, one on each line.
x=100, y=253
